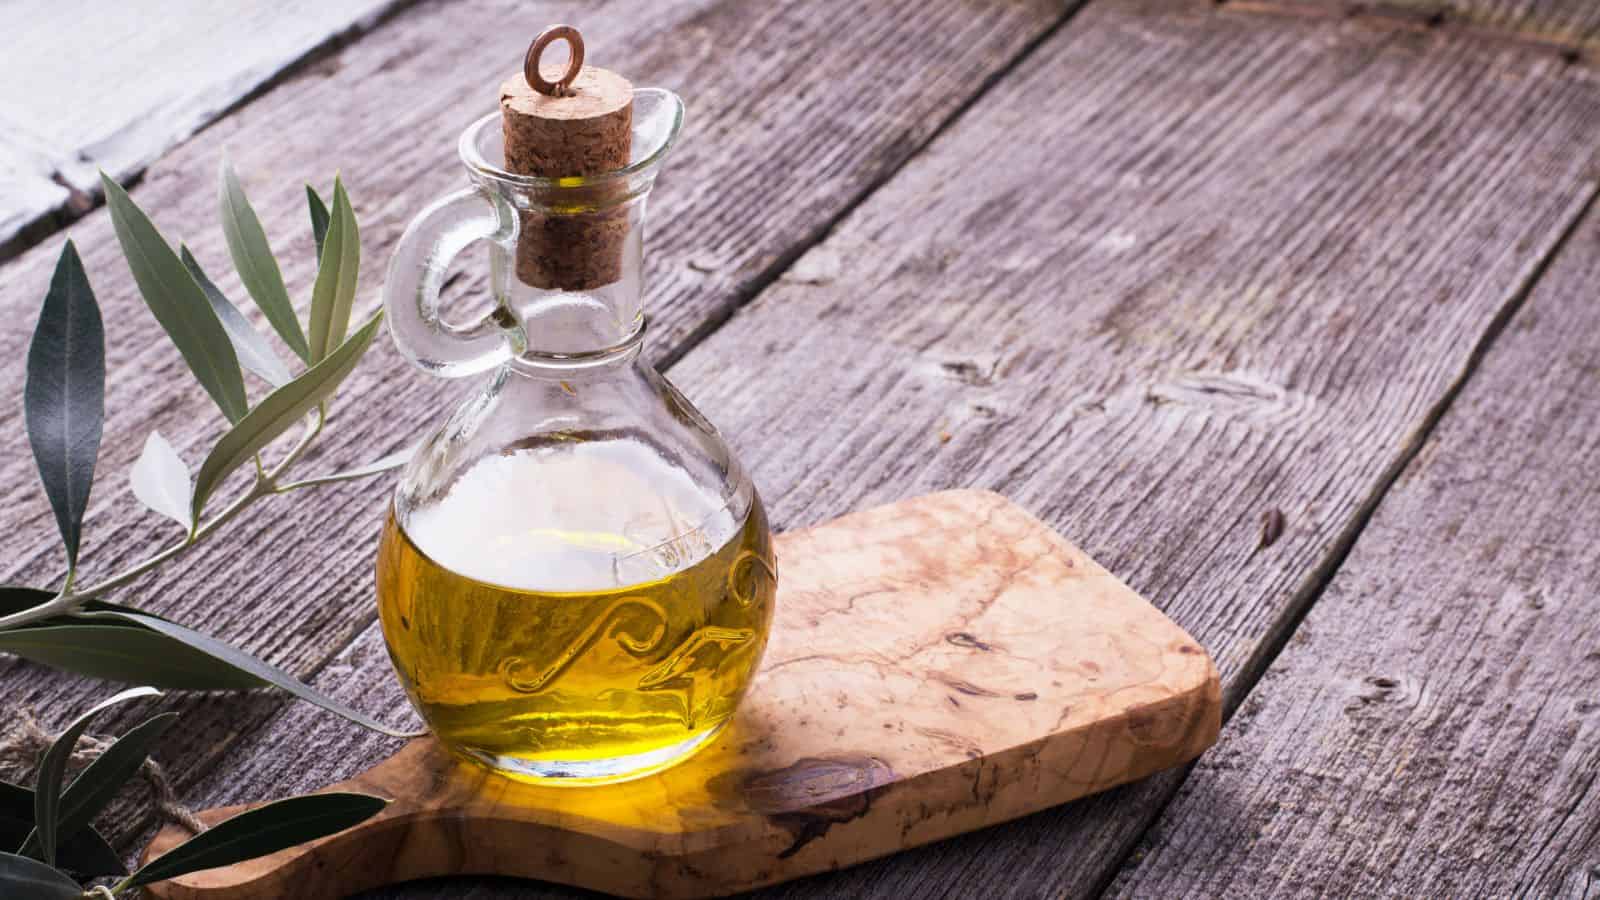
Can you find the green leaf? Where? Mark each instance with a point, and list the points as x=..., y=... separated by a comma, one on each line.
x=64, y=399
x=252, y=256
x=248, y=664
x=125, y=653
x=260, y=832
x=99, y=782
x=383, y=464
x=160, y=480
x=85, y=853
x=277, y=411
x=252, y=349
x=23, y=877
x=116, y=648
x=47, y=784
x=335, y=290
x=319, y=217
x=179, y=304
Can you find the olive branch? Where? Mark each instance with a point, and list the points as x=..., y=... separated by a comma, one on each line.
x=73, y=626
x=60, y=855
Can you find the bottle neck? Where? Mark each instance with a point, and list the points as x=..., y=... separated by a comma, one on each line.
x=577, y=296
x=576, y=364
x=575, y=322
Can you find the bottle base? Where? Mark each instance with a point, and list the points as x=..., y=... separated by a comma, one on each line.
x=589, y=772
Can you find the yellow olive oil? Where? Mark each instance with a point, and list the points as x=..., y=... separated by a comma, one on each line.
x=597, y=680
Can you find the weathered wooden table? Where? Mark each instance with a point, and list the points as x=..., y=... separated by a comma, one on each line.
x=1153, y=269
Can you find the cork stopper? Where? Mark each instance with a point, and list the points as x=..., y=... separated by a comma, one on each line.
x=580, y=124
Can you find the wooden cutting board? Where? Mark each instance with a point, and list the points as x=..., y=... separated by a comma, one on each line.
x=936, y=666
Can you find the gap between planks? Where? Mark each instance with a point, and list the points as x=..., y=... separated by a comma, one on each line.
x=1273, y=644
x=991, y=48
x=1500, y=310
x=766, y=277
x=1480, y=699
x=786, y=260
x=771, y=272
x=80, y=202
x=758, y=284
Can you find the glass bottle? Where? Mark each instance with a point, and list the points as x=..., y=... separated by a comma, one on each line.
x=576, y=580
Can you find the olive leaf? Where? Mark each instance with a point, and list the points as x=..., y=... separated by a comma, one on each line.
x=24, y=877
x=123, y=652
x=252, y=349
x=120, y=643
x=261, y=831
x=99, y=782
x=47, y=783
x=247, y=664
x=160, y=481
x=335, y=288
x=278, y=411
x=86, y=852
x=382, y=464
x=70, y=627
x=319, y=217
x=178, y=302
x=64, y=398
x=252, y=257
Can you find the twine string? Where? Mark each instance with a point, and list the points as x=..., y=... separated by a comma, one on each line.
x=24, y=743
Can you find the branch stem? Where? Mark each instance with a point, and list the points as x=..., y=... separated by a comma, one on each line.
x=260, y=488
x=300, y=447
x=71, y=599
x=55, y=606
x=333, y=478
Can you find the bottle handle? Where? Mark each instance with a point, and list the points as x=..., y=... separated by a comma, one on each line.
x=416, y=275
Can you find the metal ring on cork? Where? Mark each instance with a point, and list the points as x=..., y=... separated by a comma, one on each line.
x=530, y=63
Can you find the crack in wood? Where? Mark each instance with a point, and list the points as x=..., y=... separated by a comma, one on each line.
x=1273, y=644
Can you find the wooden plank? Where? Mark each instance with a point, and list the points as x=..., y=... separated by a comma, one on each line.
x=1571, y=27
x=1214, y=265
x=765, y=167
x=27, y=193
x=1433, y=727
x=905, y=730
x=87, y=85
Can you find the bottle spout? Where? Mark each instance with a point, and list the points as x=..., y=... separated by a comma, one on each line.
x=566, y=249
x=570, y=278
x=657, y=120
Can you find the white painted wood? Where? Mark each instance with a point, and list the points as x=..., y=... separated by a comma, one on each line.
x=88, y=85
x=27, y=192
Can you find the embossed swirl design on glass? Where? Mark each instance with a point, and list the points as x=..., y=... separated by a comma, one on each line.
x=576, y=580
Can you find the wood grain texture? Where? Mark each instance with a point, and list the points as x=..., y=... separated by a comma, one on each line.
x=1234, y=269
x=1433, y=728
x=87, y=85
x=937, y=665
x=765, y=168
x=1570, y=26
